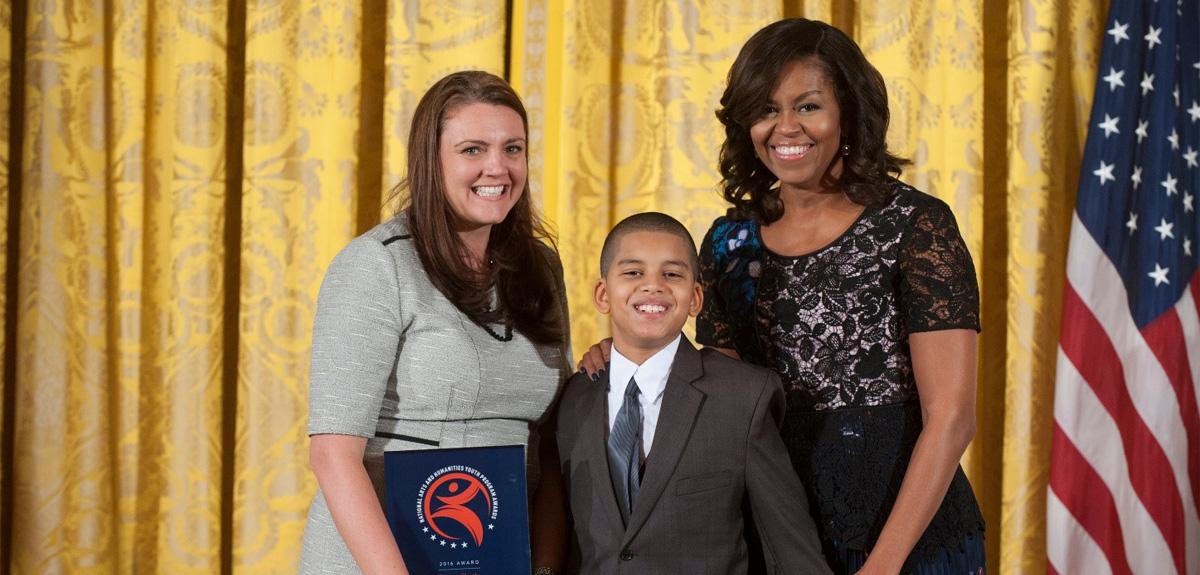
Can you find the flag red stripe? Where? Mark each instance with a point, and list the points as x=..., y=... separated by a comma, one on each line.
x=1085, y=495
x=1086, y=345
x=1165, y=338
x=1050, y=570
x=1194, y=285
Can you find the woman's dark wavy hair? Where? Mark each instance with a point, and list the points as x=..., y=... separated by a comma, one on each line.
x=517, y=248
x=861, y=96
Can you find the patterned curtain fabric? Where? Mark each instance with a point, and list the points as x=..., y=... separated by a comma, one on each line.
x=175, y=176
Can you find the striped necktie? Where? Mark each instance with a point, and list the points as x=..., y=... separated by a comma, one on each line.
x=624, y=450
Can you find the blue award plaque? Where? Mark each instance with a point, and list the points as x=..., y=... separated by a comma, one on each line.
x=459, y=511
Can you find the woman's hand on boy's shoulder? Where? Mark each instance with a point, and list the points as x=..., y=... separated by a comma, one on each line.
x=595, y=359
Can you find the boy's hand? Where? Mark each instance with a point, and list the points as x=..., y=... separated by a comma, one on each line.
x=595, y=360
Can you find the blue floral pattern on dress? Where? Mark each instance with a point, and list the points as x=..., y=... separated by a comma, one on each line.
x=731, y=259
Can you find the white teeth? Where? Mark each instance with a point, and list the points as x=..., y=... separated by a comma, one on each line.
x=791, y=150
x=651, y=308
x=489, y=191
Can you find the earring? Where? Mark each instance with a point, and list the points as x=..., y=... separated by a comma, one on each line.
x=845, y=150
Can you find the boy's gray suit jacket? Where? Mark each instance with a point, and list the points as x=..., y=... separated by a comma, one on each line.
x=716, y=451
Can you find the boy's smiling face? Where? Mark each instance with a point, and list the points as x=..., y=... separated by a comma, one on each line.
x=650, y=289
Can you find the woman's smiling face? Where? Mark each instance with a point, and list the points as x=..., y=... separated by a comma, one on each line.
x=798, y=135
x=482, y=156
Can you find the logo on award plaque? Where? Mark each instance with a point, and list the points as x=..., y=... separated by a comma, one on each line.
x=457, y=506
x=459, y=511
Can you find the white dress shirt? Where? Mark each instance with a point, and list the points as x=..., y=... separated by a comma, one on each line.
x=651, y=378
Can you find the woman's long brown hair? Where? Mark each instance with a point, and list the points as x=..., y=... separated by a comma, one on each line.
x=519, y=248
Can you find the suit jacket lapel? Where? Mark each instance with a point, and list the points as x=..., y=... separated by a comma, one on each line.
x=680, y=404
x=595, y=427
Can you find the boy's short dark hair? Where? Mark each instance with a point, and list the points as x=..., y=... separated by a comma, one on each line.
x=648, y=222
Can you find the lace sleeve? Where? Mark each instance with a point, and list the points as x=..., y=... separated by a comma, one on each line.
x=712, y=327
x=938, y=288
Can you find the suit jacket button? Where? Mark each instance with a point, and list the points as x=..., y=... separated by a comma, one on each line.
x=626, y=555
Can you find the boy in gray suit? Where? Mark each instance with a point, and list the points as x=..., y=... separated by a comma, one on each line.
x=661, y=462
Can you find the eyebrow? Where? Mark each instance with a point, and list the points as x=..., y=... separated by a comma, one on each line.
x=804, y=95
x=484, y=143
x=628, y=261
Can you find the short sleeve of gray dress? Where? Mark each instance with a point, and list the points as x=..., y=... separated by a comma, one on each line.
x=356, y=331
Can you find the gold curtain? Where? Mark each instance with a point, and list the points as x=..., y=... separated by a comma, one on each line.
x=6, y=59
x=176, y=175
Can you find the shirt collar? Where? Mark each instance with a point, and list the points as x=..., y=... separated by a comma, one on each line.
x=651, y=375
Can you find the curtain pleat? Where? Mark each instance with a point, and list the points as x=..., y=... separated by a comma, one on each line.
x=187, y=171
x=1054, y=49
x=6, y=138
x=65, y=502
x=167, y=184
x=300, y=159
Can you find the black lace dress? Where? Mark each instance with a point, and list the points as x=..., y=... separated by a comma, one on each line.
x=834, y=325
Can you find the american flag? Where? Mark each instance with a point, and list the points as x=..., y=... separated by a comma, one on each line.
x=1125, y=459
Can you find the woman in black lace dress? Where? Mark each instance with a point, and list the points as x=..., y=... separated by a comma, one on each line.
x=859, y=291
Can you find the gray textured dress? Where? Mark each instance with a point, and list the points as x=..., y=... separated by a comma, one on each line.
x=394, y=361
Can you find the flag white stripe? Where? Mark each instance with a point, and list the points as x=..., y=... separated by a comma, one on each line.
x=1094, y=433
x=1186, y=308
x=1069, y=548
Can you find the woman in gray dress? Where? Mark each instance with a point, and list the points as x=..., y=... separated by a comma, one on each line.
x=444, y=326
